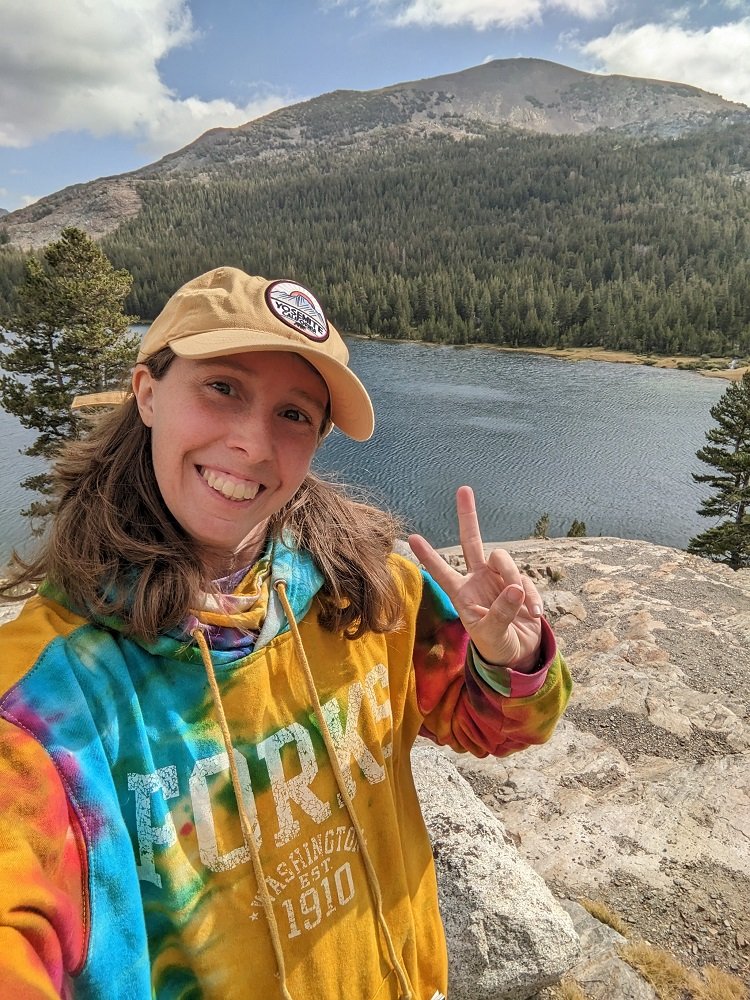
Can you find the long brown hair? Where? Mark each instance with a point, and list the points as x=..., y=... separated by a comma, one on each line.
x=115, y=549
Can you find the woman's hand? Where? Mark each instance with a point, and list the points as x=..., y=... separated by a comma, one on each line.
x=500, y=609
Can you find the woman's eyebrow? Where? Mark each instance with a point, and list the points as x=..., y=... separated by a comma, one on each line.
x=314, y=400
x=225, y=362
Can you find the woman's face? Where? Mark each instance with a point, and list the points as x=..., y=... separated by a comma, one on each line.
x=232, y=439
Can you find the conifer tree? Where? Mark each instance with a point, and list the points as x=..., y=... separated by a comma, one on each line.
x=67, y=335
x=728, y=452
x=541, y=528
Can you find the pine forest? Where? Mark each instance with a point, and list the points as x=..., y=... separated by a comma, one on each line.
x=506, y=238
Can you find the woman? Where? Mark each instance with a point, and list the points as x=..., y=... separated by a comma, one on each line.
x=208, y=706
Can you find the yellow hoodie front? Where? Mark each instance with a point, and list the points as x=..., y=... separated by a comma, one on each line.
x=127, y=870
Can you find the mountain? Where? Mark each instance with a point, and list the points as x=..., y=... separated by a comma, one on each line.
x=4, y=211
x=532, y=95
x=419, y=212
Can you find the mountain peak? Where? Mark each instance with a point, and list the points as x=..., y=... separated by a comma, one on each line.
x=528, y=94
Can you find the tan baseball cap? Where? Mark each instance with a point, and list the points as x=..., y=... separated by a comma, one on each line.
x=226, y=311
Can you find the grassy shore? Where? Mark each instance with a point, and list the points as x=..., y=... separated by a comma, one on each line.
x=710, y=367
x=713, y=368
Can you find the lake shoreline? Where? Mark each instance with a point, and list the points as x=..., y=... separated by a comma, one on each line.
x=684, y=363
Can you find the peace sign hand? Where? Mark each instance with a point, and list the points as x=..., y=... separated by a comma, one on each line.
x=499, y=608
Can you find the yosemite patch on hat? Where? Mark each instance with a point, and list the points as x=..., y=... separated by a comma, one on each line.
x=297, y=307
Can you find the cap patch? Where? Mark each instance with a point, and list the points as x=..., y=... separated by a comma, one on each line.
x=298, y=308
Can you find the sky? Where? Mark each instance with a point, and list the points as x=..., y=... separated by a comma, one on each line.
x=90, y=88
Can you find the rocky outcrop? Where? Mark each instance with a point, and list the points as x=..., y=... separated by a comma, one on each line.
x=642, y=797
x=601, y=973
x=98, y=208
x=507, y=937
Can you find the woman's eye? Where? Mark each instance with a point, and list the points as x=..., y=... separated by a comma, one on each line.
x=296, y=415
x=223, y=387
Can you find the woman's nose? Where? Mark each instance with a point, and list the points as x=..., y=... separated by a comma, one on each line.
x=252, y=433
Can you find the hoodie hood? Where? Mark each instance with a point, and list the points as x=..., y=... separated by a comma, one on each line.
x=246, y=618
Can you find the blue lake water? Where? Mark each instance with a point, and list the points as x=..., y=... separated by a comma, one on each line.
x=609, y=444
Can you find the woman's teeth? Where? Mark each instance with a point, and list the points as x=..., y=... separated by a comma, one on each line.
x=232, y=489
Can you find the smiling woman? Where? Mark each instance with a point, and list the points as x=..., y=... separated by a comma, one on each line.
x=207, y=708
x=232, y=442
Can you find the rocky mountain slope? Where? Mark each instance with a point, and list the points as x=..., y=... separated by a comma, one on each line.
x=642, y=797
x=529, y=94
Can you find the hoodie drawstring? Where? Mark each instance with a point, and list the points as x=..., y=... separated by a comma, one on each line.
x=372, y=878
x=245, y=824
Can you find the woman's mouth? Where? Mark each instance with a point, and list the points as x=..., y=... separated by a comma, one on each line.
x=230, y=486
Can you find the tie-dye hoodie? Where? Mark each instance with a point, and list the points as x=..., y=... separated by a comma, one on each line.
x=131, y=853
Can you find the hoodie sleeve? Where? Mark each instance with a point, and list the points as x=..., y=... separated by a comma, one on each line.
x=470, y=705
x=42, y=874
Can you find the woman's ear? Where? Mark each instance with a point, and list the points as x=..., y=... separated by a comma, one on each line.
x=143, y=390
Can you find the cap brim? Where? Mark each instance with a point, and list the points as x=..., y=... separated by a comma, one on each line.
x=351, y=408
x=110, y=397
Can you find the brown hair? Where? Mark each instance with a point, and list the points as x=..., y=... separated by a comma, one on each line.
x=115, y=549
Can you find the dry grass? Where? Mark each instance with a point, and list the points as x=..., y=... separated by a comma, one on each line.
x=670, y=979
x=673, y=981
x=570, y=990
x=718, y=985
x=668, y=976
x=697, y=364
x=604, y=915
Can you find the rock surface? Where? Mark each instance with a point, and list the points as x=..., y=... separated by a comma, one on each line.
x=507, y=936
x=642, y=797
x=601, y=973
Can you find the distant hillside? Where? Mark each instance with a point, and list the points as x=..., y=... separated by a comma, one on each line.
x=4, y=211
x=528, y=94
x=419, y=212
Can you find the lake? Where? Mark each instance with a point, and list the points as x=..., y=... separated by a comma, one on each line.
x=609, y=444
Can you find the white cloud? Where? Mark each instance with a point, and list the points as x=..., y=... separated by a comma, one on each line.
x=92, y=65
x=714, y=59
x=586, y=9
x=479, y=14
x=482, y=14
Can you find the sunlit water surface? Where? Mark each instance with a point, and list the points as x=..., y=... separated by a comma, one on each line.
x=612, y=445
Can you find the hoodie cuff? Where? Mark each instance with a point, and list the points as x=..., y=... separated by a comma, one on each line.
x=512, y=683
